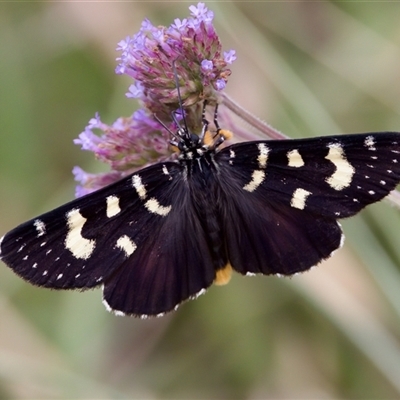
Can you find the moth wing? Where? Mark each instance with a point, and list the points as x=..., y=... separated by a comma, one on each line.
x=269, y=238
x=282, y=198
x=116, y=234
x=334, y=176
x=172, y=265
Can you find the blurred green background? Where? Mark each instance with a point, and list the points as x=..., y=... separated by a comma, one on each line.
x=308, y=68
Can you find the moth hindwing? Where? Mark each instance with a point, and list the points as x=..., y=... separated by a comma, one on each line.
x=167, y=232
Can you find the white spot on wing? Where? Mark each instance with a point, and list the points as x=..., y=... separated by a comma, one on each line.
x=369, y=142
x=113, y=207
x=257, y=179
x=126, y=244
x=109, y=309
x=294, y=159
x=299, y=198
x=59, y=276
x=342, y=237
x=155, y=207
x=165, y=170
x=199, y=293
x=138, y=185
x=231, y=155
x=79, y=246
x=263, y=156
x=40, y=227
x=343, y=175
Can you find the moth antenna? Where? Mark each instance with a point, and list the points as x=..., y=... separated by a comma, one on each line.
x=177, y=123
x=172, y=133
x=179, y=101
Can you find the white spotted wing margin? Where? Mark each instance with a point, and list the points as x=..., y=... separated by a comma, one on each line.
x=129, y=237
x=280, y=212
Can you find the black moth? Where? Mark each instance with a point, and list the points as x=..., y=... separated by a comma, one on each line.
x=167, y=232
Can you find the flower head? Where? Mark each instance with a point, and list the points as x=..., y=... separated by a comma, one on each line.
x=126, y=145
x=191, y=46
x=186, y=56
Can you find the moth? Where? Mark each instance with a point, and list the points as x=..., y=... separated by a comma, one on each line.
x=165, y=233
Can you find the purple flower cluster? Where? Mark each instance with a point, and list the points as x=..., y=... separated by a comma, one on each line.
x=193, y=44
x=192, y=47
